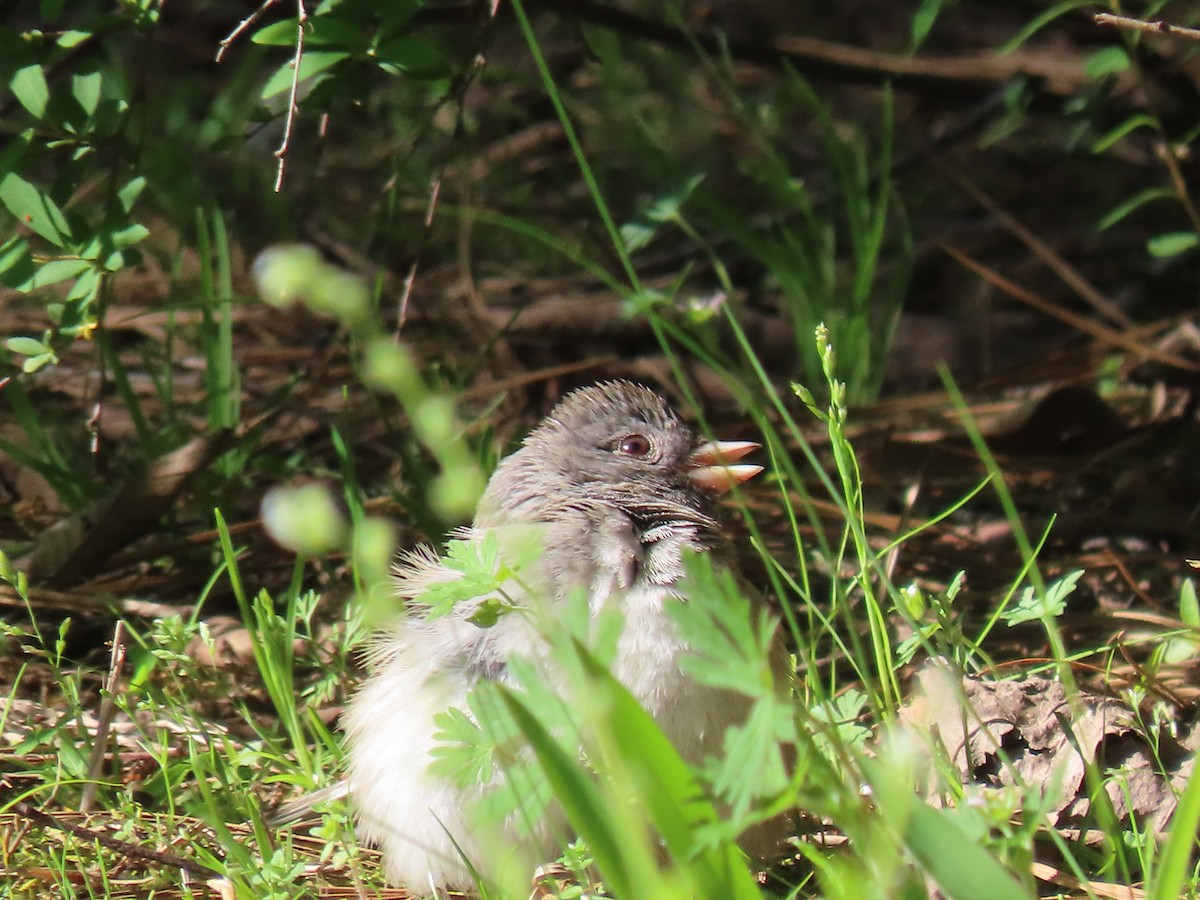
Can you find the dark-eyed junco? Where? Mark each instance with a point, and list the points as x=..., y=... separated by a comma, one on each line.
x=618, y=486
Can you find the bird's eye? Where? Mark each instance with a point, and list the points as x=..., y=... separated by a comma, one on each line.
x=635, y=445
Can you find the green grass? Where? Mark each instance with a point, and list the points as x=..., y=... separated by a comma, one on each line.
x=209, y=748
x=897, y=843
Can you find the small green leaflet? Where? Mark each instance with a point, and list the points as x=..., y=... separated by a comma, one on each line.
x=1032, y=607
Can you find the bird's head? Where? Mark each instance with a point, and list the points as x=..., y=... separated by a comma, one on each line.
x=617, y=443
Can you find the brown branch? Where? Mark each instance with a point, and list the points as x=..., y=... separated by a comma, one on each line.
x=289, y=122
x=965, y=76
x=1104, y=335
x=435, y=191
x=1067, y=273
x=1146, y=27
x=1167, y=151
x=128, y=849
x=237, y=32
x=456, y=94
x=108, y=710
x=1169, y=154
x=95, y=601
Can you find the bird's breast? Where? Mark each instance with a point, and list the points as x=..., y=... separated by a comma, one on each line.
x=649, y=663
x=649, y=649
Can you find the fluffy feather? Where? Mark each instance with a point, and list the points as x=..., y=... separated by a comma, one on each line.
x=612, y=522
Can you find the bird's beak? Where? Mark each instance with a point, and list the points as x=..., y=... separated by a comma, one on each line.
x=709, y=465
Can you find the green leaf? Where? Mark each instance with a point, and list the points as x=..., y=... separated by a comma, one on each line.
x=1040, y=21
x=666, y=208
x=55, y=271
x=16, y=263
x=28, y=85
x=409, y=55
x=662, y=210
x=1184, y=646
x=753, y=766
x=962, y=868
x=442, y=597
x=277, y=34
x=86, y=286
x=395, y=14
x=319, y=31
x=1175, y=860
x=33, y=363
x=1032, y=607
x=1172, y=243
x=729, y=643
x=310, y=64
x=127, y=237
x=637, y=234
x=129, y=194
x=487, y=613
x=1189, y=607
x=463, y=753
x=26, y=346
x=35, y=209
x=1134, y=122
x=1106, y=61
x=1141, y=198
x=86, y=90
x=69, y=39
x=666, y=787
x=843, y=714
x=582, y=801
x=922, y=21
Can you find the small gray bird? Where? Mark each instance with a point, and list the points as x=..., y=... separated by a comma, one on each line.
x=617, y=487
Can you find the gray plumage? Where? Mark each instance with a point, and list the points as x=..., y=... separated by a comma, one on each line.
x=616, y=486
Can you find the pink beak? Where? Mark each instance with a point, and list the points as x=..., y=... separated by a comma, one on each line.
x=709, y=465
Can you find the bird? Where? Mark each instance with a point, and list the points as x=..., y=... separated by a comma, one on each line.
x=619, y=488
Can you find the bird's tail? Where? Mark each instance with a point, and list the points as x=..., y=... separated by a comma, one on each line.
x=293, y=811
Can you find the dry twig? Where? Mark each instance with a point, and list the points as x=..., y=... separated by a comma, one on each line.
x=1104, y=335
x=108, y=709
x=126, y=848
x=237, y=32
x=289, y=122
x=1067, y=273
x=1147, y=27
